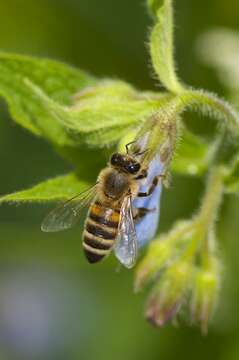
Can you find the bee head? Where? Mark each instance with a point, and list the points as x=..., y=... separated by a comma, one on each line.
x=125, y=162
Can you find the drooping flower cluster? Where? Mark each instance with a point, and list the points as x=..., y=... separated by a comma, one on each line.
x=184, y=264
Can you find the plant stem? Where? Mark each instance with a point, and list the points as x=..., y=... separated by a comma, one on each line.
x=209, y=210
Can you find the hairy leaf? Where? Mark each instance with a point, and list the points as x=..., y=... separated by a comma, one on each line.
x=59, y=188
x=101, y=117
x=58, y=81
x=161, y=45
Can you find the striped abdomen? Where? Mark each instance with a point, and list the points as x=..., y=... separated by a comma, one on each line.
x=100, y=231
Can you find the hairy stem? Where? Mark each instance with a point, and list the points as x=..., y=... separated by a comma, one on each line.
x=209, y=210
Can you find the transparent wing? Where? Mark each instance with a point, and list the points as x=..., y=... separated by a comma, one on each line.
x=126, y=246
x=67, y=214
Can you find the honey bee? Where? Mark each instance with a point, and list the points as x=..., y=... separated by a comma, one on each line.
x=111, y=219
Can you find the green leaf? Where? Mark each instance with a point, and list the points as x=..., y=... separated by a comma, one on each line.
x=59, y=188
x=58, y=81
x=101, y=114
x=68, y=107
x=161, y=45
x=193, y=155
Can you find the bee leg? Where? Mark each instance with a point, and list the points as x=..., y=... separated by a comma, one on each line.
x=137, y=150
x=139, y=213
x=142, y=175
x=128, y=145
x=152, y=187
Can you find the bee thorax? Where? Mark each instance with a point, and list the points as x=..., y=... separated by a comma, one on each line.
x=115, y=184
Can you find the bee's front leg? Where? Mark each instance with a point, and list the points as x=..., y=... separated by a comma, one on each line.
x=143, y=174
x=151, y=188
x=139, y=213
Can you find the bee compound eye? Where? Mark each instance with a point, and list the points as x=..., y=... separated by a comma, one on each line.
x=115, y=159
x=133, y=168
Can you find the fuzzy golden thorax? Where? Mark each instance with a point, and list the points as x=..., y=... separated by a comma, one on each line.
x=114, y=185
x=119, y=179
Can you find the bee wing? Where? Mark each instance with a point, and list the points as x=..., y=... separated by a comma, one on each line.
x=67, y=214
x=126, y=247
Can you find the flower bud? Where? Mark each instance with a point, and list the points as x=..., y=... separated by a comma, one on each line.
x=157, y=257
x=205, y=293
x=163, y=251
x=168, y=294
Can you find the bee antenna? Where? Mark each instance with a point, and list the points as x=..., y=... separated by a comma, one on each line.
x=127, y=145
x=141, y=152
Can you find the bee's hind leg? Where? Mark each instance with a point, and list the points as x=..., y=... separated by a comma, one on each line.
x=139, y=213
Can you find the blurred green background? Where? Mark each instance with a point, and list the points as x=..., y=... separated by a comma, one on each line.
x=53, y=305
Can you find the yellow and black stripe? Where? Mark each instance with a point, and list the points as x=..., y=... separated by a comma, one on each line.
x=100, y=231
